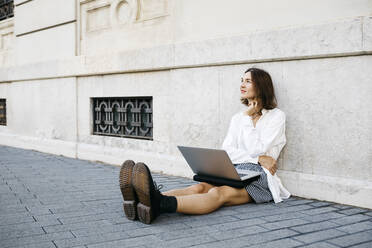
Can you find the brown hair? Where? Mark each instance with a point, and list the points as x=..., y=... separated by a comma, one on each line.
x=264, y=88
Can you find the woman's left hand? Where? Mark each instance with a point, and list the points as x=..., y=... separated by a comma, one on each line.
x=269, y=163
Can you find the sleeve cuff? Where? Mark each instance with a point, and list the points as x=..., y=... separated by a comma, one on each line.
x=254, y=160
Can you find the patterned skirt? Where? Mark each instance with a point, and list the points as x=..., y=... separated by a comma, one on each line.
x=259, y=189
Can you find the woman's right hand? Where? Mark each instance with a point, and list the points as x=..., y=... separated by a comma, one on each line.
x=268, y=162
x=252, y=108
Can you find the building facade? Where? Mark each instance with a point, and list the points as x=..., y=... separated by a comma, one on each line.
x=110, y=80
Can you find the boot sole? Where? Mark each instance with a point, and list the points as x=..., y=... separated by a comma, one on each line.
x=141, y=182
x=127, y=190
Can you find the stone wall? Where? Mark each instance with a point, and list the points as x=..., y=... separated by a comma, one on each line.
x=189, y=55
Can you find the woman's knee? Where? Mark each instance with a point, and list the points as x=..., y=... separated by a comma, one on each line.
x=200, y=188
x=219, y=194
x=226, y=194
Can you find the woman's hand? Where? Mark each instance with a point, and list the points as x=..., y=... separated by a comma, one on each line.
x=253, y=107
x=268, y=162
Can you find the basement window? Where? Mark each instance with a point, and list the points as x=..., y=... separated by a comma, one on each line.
x=3, y=112
x=6, y=9
x=129, y=117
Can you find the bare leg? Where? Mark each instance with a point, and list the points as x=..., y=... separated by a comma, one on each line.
x=212, y=200
x=191, y=190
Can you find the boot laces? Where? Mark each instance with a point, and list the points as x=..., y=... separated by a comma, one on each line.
x=158, y=187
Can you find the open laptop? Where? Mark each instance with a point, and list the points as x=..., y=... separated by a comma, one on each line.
x=215, y=167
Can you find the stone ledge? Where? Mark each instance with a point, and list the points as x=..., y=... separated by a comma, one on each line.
x=305, y=42
x=52, y=146
x=334, y=189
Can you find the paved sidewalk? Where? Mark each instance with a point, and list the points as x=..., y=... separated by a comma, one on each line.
x=53, y=201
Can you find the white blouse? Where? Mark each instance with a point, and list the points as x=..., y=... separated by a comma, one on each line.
x=244, y=143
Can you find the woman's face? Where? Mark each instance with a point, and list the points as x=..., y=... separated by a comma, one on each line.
x=247, y=89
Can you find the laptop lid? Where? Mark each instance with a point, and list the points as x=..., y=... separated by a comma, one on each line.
x=212, y=162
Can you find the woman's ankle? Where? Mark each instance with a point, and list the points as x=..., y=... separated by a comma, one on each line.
x=168, y=204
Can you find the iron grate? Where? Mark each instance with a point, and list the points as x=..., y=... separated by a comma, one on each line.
x=6, y=9
x=3, y=112
x=123, y=117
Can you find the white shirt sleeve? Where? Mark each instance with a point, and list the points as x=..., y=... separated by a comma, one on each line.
x=272, y=140
x=230, y=146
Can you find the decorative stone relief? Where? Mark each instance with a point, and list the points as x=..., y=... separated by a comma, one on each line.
x=98, y=18
x=101, y=14
x=151, y=9
x=110, y=22
x=7, y=41
x=6, y=35
x=124, y=11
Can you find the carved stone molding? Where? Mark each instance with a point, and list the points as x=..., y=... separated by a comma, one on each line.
x=6, y=35
x=150, y=9
x=110, y=21
x=124, y=11
x=100, y=14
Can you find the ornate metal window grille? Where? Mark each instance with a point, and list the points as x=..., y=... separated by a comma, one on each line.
x=6, y=9
x=123, y=116
x=3, y=112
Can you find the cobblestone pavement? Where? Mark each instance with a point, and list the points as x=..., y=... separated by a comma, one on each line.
x=54, y=201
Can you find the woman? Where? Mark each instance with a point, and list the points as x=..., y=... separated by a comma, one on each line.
x=254, y=140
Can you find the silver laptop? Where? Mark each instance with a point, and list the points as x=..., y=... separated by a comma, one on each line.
x=214, y=162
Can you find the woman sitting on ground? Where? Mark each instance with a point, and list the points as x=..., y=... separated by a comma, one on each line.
x=254, y=140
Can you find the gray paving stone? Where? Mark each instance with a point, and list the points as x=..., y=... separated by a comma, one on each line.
x=12, y=209
x=72, y=207
x=320, y=204
x=300, y=201
x=183, y=233
x=324, y=217
x=351, y=219
x=75, y=226
x=243, y=231
x=286, y=216
x=184, y=242
x=19, y=227
x=341, y=206
x=287, y=243
x=237, y=224
x=35, y=239
x=111, y=240
x=16, y=220
x=320, y=245
x=203, y=221
x=252, y=207
x=357, y=227
x=352, y=211
x=284, y=224
x=363, y=245
x=352, y=239
x=278, y=211
x=38, y=210
x=48, y=244
x=10, y=234
x=92, y=217
x=231, y=243
x=368, y=213
x=47, y=220
x=315, y=227
x=249, y=240
x=319, y=210
x=132, y=229
x=319, y=236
